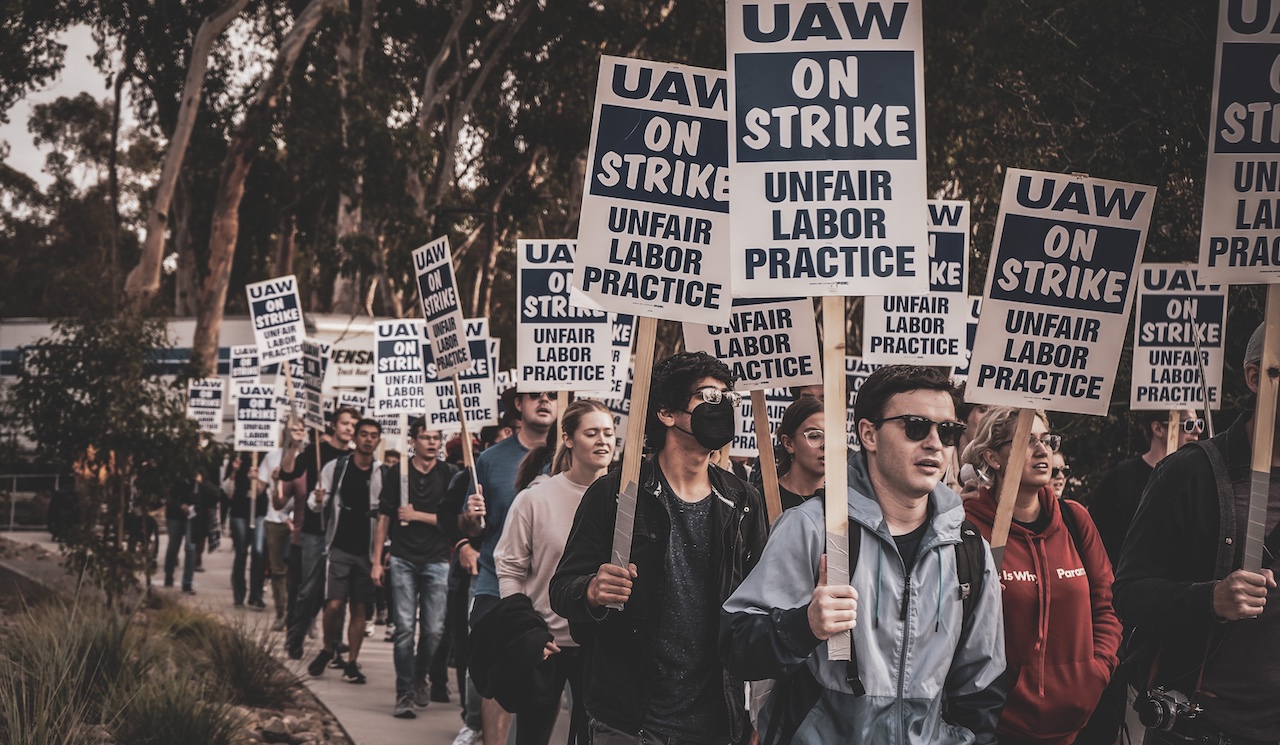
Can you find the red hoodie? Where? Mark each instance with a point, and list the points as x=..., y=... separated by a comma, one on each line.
x=1061, y=635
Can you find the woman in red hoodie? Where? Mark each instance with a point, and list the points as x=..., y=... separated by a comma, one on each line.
x=1061, y=633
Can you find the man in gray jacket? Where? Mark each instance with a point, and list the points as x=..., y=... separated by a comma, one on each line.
x=926, y=671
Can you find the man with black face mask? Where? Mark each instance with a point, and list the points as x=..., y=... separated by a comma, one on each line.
x=652, y=671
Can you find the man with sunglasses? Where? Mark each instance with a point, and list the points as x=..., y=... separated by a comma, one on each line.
x=926, y=671
x=652, y=672
x=1115, y=499
x=485, y=513
x=1180, y=582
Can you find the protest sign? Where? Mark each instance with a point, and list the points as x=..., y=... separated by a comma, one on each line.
x=397, y=368
x=257, y=426
x=655, y=207
x=767, y=343
x=357, y=400
x=350, y=367
x=624, y=327
x=291, y=395
x=474, y=393
x=277, y=319
x=559, y=347
x=926, y=329
x=441, y=310
x=1058, y=292
x=856, y=372
x=204, y=403
x=314, y=362
x=244, y=363
x=827, y=148
x=960, y=373
x=1178, y=333
x=746, y=436
x=1240, y=229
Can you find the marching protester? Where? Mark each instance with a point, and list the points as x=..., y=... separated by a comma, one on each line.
x=1061, y=632
x=312, y=562
x=418, y=575
x=1115, y=499
x=278, y=524
x=928, y=658
x=179, y=516
x=533, y=541
x=651, y=669
x=485, y=515
x=246, y=533
x=1181, y=583
x=346, y=498
x=801, y=442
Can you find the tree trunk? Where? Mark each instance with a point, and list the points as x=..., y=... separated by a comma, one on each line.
x=143, y=282
x=113, y=175
x=284, y=245
x=241, y=154
x=186, y=277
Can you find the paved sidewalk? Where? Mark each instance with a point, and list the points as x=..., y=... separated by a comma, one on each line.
x=364, y=710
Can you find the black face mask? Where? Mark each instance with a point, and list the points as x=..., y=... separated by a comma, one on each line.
x=713, y=424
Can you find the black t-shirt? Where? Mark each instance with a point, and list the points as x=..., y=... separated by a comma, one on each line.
x=353, y=534
x=1114, y=502
x=306, y=463
x=909, y=545
x=687, y=699
x=240, y=498
x=789, y=498
x=1037, y=525
x=417, y=542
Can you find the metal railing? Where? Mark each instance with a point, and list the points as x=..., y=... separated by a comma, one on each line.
x=24, y=486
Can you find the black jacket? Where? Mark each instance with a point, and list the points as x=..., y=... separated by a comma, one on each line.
x=617, y=646
x=1181, y=542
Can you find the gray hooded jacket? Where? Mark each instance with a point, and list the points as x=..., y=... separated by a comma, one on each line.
x=922, y=686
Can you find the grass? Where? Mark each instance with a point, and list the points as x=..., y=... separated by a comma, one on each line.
x=177, y=713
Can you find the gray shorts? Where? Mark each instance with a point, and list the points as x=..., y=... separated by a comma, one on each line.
x=350, y=577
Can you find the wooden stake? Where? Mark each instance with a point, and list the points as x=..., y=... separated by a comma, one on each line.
x=1010, y=480
x=253, y=491
x=768, y=467
x=563, y=399
x=468, y=457
x=1264, y=430
x=646, y=341
x=839, y=647
x=1171, y=433
x=404, y=462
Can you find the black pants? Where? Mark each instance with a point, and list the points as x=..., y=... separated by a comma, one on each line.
x=534, y=726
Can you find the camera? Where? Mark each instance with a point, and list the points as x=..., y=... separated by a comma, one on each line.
x=1171, y=711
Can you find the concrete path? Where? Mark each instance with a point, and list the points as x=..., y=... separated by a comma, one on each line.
x=364, y=710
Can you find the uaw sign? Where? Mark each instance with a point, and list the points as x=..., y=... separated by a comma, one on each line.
x=1058, y=292
x=277, y=319
x=257, y=429
x=1178, y=334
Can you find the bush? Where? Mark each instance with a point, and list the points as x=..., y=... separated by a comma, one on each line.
x=176, y=711
x=242, y=661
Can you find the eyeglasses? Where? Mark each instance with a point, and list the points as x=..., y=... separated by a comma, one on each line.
x=1064, y=472
x=918, y=427
x=536, y=396
x=1192, y=426
x=815, y=437
x=1051, y=442
x=714, y=396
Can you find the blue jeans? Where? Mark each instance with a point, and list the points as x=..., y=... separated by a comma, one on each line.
x=240, y=540
x=419, y=590
x=180, y=535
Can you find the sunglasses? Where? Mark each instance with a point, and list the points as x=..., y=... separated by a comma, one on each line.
x=538, y=396
x=1064, y=472
x=1192, y=426
x=918, y=427
x=714, y=396
x=1052, y=442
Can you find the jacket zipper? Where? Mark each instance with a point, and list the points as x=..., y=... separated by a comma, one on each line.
x=902, y=657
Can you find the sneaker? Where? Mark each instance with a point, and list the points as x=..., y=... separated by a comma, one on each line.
x=467, y=736
x=368, y=629
x=188, y=591
x=295, y=652
x=404, y=708
x=322, y=660
x=352, y=673
x=440, y=693
x=421, y=694
x=391, y=633
x=237, y=603
x=278, y=625
x=338, y=663
x=168, y=581
x=257, y=605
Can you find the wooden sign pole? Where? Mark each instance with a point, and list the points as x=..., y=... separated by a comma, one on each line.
x=768, y=467
x=839, y=647
x=404, y=461
x=1264, y=430
x=646, y=340
x=1171, y=434
x=563, y=399
x=1010, y=480
x=253, y=491
x=468, y=457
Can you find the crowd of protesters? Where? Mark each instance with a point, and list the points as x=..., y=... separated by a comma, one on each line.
x=718, y=629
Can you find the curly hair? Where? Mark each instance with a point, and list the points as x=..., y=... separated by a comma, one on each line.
x=672, y=384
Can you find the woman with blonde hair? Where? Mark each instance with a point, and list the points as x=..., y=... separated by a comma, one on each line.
x=532, y=543
x=1061, y=632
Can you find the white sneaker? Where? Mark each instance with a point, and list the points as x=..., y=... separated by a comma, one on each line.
x=368, y=629
x=468, y=736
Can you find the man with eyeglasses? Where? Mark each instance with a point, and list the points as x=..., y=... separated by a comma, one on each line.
x=485, y=513
x=926, y=671
x=1115, y=499
x=653, y=675
x=1180, y=582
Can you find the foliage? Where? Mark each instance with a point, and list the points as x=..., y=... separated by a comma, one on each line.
x=88, y=396
x=178, y=712
x=241, y=662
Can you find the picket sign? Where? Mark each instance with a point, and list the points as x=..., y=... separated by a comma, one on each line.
x=1263, y=436
x=1007, y=498
x=646, y=340
x=768, y=468
x=839, y=647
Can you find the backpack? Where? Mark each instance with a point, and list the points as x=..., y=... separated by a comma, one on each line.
x=794, y=696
